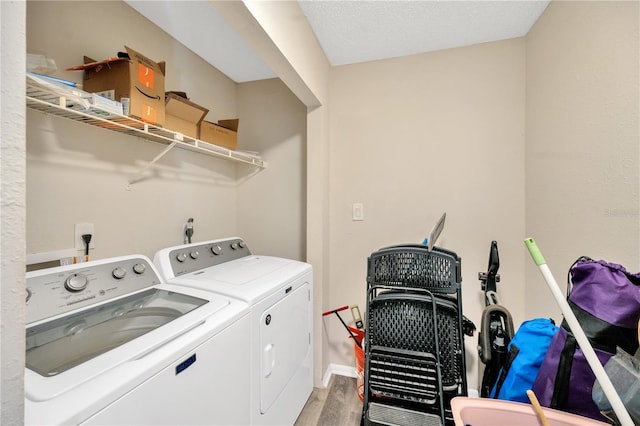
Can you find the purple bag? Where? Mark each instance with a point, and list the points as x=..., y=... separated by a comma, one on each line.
x=606, y=301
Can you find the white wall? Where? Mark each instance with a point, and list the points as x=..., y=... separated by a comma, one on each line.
x=417, y=136
x=583, y=140
x=12, y=208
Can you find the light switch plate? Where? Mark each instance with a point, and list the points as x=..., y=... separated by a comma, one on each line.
x=357, y=211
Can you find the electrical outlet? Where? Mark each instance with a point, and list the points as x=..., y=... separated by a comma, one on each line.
x=82, y=229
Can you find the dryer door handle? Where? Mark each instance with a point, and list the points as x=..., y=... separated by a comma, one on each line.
x=268, y=359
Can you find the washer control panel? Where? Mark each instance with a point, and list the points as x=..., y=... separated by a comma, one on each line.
x=62, y=289
x=197, y=256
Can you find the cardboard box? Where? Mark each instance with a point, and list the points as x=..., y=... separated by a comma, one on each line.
x=225, y=133
x=182, y=115
x=137, y=78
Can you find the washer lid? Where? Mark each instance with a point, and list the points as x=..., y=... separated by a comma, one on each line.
x=187, y=324
x=246, y=270
x=250, y=278
x=55, y=346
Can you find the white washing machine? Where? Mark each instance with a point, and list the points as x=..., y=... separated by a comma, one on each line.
x=279, y=292
x=108, y=343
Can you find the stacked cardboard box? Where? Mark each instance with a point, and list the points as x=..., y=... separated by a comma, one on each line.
x=139, y=83
x=225, y=133
x=182, y=115
x=135, y=80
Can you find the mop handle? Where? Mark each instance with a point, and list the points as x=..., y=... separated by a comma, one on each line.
x=335, y=311
x=324, y=314
x=581, y=338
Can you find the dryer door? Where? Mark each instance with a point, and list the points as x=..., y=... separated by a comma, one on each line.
x=284, y=341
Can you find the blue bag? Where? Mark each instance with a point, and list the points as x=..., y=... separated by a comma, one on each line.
x=526, y=351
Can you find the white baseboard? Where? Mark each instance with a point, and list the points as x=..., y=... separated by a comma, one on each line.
x=340, y=370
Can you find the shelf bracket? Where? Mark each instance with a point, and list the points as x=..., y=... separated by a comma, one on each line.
x=138, y=176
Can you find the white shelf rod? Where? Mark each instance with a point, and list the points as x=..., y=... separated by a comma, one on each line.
x=45, y=98
x=138, y=176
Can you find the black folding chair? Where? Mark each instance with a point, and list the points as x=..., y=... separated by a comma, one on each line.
x=414, y=343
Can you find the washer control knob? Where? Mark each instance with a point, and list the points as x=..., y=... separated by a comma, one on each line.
x=216, y=249
x=181, y=257
x=139, y=268
x=194, y=254
x=119, y=273
x=29, y=293
x=241, y=244
x=76, y=282
x=234, y=246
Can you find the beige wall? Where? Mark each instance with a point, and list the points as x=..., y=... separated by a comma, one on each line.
x=583, y=142
x=271, y=207
x=417, y=136
x=463, y=130
x=279, y=33
x=79, y=174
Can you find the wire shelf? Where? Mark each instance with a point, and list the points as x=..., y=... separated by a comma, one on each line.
x=46, y=101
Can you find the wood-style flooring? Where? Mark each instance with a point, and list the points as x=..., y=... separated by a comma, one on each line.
x=336, y=405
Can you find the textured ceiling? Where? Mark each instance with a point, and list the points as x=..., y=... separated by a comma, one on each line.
x=349, y=31
x=360, y=31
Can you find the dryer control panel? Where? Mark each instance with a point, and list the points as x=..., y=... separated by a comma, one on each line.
x=62, y=289
x=195, y=257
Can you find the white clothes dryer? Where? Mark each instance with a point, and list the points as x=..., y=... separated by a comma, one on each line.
x=108, y=343
x=279, y=292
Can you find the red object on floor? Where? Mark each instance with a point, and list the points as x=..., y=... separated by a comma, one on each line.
x=358, y=351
